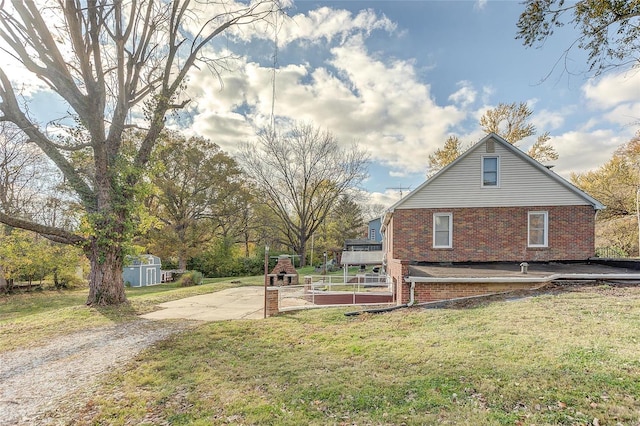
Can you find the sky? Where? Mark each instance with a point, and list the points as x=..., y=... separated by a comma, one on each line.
x=399, y=77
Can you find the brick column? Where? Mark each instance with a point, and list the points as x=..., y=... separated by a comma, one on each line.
x=308, y=281
x=272, y=301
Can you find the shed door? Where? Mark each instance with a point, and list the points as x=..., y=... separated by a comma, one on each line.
x=150, y=276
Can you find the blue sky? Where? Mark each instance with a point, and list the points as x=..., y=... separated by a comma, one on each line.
x=399, y=77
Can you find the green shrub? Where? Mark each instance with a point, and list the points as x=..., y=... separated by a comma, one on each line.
x=190, y=278
x=67, y=280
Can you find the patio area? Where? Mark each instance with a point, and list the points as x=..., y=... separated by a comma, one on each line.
x=513, y=270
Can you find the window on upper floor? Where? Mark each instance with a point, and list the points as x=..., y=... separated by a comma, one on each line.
x=490, y=171
x=442, y=230
x=538, y=229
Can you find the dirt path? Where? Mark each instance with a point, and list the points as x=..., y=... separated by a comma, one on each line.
x=34, y=382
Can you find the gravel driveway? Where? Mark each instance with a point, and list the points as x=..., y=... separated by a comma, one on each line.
x=35, y=381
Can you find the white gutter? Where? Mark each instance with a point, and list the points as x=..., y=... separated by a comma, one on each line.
x=547, y=278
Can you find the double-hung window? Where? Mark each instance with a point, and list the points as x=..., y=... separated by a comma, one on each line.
x=490, y=171
x=442, y=230
x=538, y=229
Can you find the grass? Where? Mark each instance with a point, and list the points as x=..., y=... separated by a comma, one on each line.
x=552, y=359
x=28, y=319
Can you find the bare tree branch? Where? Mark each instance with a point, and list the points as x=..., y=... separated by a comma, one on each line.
x=50, y=232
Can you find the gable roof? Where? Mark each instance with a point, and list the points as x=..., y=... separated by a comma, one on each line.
x=517, y=153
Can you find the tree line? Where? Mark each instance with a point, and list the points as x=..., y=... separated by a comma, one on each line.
x=197, y=208
x=121, y=69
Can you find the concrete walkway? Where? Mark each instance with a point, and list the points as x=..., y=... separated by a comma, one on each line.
x=229, y=304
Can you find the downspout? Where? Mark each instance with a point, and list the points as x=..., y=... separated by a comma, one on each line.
x=412, y=294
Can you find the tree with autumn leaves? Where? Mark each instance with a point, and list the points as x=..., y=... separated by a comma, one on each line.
x=116, y=65
x=616, y=184
x=511, y=122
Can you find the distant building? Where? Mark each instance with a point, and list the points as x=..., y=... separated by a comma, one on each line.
x=374, y=230
x=362, y=244
x=142, y=270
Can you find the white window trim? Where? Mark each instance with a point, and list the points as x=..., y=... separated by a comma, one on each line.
x=450, y=242
x=497, y=185
x=546, y=229
x=372, y=234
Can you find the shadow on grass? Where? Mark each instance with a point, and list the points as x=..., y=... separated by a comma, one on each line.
x=551, y=289
x=118, y=314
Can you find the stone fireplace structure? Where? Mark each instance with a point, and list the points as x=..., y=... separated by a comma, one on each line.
x=284, y=273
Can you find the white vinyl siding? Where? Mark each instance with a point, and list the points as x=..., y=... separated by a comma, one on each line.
x=490, y=172
x=538, y=229
x=521, y=184
x=442, y=230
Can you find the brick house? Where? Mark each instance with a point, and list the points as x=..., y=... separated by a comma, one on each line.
x=492, y=204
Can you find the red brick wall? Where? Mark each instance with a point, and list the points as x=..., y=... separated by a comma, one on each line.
x=429, y=292
x=397, y=270
x=284, y=265
x=494, y=234
x=272, y=301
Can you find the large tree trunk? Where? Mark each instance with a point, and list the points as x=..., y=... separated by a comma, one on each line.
x=302, y=251
x=106, y=286
x=182, y=262
x=4, y=287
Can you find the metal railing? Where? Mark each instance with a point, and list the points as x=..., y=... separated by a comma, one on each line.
x=611, y=253
x=324, y=291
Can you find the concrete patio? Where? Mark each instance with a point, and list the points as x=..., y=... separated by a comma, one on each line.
x=513, y=270
x=230, y=304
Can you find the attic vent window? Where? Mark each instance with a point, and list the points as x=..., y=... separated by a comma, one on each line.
x=490, y=145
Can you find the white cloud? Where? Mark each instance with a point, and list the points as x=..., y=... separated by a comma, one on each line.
x=394, y=111
x=25, y=83
x=387, y=199
x=487, y=93
x=327, y=23
x=464, y=96
x=480, y=4
x=398, y=174
x=381, y=105
x=583, y=151
x=613, y=89
x=625, y=115
x=546, y=121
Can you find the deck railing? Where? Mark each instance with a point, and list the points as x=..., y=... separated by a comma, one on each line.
x=611, y=253
x=333, y=290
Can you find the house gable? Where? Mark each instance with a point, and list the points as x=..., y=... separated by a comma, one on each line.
x=521, y=181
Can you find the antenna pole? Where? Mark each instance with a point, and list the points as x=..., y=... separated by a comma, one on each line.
x=401, y=189
x=273, y=76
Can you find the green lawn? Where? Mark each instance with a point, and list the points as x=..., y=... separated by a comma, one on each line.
x=568, y=359
x=32, y=318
